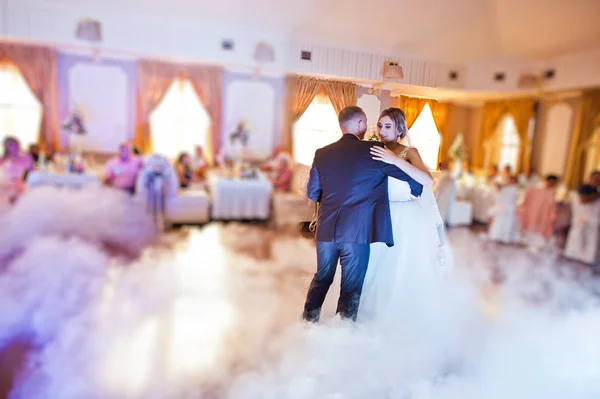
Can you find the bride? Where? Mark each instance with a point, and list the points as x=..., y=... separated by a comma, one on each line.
x=404, y=283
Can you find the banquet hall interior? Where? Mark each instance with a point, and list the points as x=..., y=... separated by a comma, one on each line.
x=156, y=238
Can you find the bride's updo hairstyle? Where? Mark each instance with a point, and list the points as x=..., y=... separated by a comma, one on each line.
x=397, y=115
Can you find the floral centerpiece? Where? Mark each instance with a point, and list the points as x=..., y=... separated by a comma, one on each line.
x=74, y=125
x=372, y=135
x=241, y=134
x=458, y=152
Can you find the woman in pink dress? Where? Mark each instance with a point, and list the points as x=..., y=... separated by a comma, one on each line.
x=14, y=166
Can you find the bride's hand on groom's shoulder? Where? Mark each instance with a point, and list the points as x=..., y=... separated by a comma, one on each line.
x=384, y=155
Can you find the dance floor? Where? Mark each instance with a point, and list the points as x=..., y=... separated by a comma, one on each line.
x=213, y=312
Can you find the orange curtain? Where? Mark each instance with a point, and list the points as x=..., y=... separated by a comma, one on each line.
x=341, y=94
x=441, y=112
x=587, y=119
x=208, y=84
x=154, y=79
x=522, y=111
x=38, y=66
x=412, y=107
x=300, y=91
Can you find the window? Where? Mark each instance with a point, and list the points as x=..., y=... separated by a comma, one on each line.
x=316, y=128
x=425, y=137
x=20, y=110
x=180, y=122
x=509, y=143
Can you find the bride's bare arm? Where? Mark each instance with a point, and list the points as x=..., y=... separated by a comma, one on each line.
x=417, y=170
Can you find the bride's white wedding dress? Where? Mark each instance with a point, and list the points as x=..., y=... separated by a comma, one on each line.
x=405, y=284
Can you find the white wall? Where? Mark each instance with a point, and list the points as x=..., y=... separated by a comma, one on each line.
x=557, y=135
x=104, y=92
x=100, y=92
x=259, y=101
x=371, y=104
x=200, y=40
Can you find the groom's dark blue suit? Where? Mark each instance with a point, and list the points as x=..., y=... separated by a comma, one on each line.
x=354, y=211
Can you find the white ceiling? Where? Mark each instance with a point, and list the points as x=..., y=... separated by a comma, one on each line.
x=441, y=30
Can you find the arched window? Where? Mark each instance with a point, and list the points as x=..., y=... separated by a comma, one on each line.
x=180, y=122
x=425, y=137
x=316, y=128
x=508, y=143
x=20, y=110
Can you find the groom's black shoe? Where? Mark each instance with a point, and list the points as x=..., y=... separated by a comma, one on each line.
x=312, y=316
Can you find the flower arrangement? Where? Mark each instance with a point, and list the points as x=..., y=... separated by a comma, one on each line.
x=372, y=135
x=74, y=123
x=240, y=134
x=458, y=151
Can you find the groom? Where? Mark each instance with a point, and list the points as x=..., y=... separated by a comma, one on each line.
x=353, y=212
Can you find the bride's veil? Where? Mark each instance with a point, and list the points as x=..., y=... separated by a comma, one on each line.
x=428, y=203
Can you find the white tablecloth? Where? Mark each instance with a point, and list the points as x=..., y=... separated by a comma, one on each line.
x=240, y=198
x=73, y=180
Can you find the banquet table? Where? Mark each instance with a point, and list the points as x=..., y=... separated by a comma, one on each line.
x=71, y=180
x=234, y=198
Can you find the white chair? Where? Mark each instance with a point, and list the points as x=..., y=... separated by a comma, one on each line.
x=505, y=224
x=190, y=205
x=453, y=211
x=583, y=240
x=293, y=207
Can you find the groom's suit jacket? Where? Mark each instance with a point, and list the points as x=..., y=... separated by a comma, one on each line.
x=351, y=189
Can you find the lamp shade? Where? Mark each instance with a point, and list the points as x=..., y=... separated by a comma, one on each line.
x=89, y=30
x=391, y=70
x=264, y=53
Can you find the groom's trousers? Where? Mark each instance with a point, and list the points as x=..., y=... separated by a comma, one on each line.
x=354, y=259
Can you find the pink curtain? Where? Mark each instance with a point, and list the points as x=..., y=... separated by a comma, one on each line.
x=154, y=80
x=38, y=67
x=208, y=84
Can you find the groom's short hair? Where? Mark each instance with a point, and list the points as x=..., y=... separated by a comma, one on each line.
x=349, y=114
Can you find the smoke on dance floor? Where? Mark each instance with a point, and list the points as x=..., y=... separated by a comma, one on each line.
x=113, y=311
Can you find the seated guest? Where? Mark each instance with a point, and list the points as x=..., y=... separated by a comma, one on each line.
x=595, y=181
x=538, y=212
x=281, y=176
x=199, y=164
x=122, y=170
x=14, y=166
x=183, y=166
x=583, y=240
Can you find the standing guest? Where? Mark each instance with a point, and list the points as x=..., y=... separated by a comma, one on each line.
x=122, y=170
x=538, y=213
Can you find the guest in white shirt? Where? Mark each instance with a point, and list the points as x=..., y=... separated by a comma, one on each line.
x=505, y=223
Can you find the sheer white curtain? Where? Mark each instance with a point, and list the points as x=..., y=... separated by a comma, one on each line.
x=316, y=128
x=20, y=111
x=424, y=136
x=180, y=122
